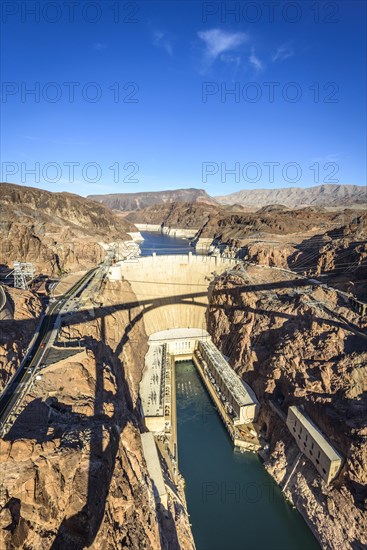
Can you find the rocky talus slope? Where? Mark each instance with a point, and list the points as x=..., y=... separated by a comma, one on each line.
x=72, y=469
x=292, y=352
x=56, y=231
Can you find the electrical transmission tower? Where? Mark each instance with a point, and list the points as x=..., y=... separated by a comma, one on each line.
x=23, y=273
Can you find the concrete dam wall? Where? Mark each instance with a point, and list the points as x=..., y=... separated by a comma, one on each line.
x=167, y=288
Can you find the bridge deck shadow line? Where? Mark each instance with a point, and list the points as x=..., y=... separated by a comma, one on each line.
x=191, y=298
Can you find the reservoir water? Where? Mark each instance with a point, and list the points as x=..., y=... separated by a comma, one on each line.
x=162, y=244
x=232, y=501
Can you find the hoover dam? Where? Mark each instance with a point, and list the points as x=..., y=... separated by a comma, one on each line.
x=186, y=410
x=173, y=289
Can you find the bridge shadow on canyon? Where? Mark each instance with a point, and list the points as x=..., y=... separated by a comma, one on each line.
x=80, y=530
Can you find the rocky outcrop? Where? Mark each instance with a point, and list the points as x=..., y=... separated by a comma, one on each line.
x=340, y=254
x=291, y=351
x=128, y=202
x=267, y=254
x=56, y=231
x=73, y=472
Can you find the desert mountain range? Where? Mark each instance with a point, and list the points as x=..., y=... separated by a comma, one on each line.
x=327, y=195
x=128, y=202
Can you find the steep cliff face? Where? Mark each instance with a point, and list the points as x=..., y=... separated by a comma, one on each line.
x=73, y=473
x=340, y=253
x=271, y=255
x=19, y=306
x=182, y=215
x=291, y=351
x=56, y=231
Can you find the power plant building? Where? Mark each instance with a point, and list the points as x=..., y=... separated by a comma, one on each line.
x=239, y=397
x=155, y=389
x=314, y=444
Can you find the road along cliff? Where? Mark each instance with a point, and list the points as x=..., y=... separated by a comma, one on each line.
x=21, y=312
x=73, y=460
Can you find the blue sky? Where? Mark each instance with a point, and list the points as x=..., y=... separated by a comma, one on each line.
x=137, y=98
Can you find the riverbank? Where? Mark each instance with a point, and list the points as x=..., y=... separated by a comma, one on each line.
x=164, y=230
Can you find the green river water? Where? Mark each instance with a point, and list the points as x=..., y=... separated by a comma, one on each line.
x=233, y=502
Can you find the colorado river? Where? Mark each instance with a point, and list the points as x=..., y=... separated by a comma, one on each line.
x=233, y=503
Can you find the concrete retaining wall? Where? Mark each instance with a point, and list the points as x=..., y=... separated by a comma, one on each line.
x=5, y=312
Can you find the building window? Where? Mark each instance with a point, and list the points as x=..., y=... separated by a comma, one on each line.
x=312, y=445
x=317, y=461
x=324, y=471
x=294, y=429
x=311, y=453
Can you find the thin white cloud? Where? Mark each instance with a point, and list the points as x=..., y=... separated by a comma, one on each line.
x=218, y=42
x=99, y=46
x=282, y=53
x=255, y=61
x=161, y=40
x=231, y=59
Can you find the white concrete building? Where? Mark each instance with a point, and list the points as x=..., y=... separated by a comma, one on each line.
x=232, y=389
x=155, y=392
x=314, y=444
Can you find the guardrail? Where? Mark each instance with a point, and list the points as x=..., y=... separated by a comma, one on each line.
x=28, y=349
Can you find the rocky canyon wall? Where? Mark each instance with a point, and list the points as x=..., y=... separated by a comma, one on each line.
x=72, y=470
x=293, y=353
